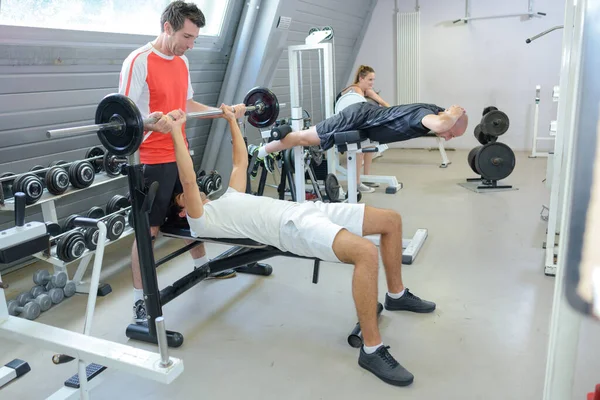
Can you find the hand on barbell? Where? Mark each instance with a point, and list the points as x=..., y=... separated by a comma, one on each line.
x=177, y=118
x=163, y=125
x=228, y=112
x=240, y=110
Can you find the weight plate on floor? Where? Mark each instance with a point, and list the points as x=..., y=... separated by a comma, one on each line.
x=119, y=108
x=471, y=158
x=57, y=180
x=332, y=188
x=95, y=152
x=95, y=213
x=266, y=116
x=495, y=161
x=488, y=109
x=494, y=123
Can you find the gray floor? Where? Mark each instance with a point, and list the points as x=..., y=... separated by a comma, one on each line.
x=283, y=337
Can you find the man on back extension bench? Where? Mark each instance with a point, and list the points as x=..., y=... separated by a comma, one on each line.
x=331, y=232
x=382, y=124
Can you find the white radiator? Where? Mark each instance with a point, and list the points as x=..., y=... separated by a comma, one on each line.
x=407, y=33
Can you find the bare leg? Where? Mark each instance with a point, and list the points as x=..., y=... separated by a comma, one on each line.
x=198, y=251
x=353, y=249
x=135, y=260
x=308, y=137
x=359, y=160
x=368, y=162
x=388, y=223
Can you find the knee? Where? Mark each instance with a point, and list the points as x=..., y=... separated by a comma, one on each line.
x=395, y=221
x=367, y=254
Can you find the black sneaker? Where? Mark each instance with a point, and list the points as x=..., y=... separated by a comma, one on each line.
x=225, y=274
x=139, y=312
x=409, y=302
x=384, y=366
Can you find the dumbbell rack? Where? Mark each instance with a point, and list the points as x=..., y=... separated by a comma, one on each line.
x=47, y=203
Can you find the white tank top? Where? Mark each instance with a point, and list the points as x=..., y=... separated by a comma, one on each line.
x=238, y=215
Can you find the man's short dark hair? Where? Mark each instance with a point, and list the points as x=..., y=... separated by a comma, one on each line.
x=178, y=11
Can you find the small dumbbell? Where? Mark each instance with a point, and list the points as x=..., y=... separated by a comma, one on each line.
x=56, y=295
x=30, y=310
x=112, y=164
x=24, y=298
x=44, y=301
x=37, y=290
x=42, y=277
x=28, y=183
x=69, y=289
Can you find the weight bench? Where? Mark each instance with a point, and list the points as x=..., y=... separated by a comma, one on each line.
x=440, y=143
x=243, y=257
x=351, y=142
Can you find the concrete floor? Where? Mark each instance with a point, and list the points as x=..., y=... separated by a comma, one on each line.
x=282, y=337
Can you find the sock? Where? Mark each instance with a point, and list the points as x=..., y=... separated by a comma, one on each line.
x=198, y=262
x=262, y=152
x=138, y=294
x=396, y=295
x=372, y=349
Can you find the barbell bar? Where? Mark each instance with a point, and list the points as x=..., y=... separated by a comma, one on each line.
x=120, y=125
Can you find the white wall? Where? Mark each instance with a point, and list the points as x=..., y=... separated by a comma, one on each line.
x=481, y=63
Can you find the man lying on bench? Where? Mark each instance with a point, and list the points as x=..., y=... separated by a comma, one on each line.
x=382, y=124
x=331, y=232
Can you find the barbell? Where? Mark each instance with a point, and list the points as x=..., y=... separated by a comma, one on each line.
x=120, y=125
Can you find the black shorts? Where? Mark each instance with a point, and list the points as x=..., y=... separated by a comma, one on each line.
x=167, y=177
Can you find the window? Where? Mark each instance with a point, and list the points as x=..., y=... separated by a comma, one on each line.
x=140, y=17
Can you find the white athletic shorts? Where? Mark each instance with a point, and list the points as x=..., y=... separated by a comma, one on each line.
x=310, y=228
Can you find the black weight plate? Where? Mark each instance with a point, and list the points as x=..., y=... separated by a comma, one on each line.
x=73, y=174
x=62, y=245
x=477, y=131
x=91, y=238
x=57, y=180
x=75, y=246
x=483, y=138
x=68, y=223
x=125, y=141
x=95, y=213
x=495, y=161
x=471, y=158
x=203, y=183
x=332, y=188
x=86, y=174
x=115, y=227
x=111, y=164
x=6, y=186
x=36, y=168
x=130, y=219
x=488, y=109
x=95, y=152
x=56, y=162
x=270, y=112
x=117, y=203
x=53, y=228
x=495, y=123
x=31, y=185
x=209, y=185
x=218, y=181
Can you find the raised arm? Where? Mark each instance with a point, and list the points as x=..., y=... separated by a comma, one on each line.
x=185, y=166
x=370, y=93
x=443, y=121
x=239, y=152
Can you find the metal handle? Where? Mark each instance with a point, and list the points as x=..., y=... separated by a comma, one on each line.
x=539, y=35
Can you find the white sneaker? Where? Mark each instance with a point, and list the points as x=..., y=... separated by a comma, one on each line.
x=365, y=189
x=371, y=184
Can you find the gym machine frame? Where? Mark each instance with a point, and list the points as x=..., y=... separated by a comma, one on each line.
x=411, y=247
x=48, y=206
x=143, y=363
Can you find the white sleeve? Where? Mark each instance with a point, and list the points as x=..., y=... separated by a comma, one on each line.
x=133, y=77
x=197, y=225
x=190, y=94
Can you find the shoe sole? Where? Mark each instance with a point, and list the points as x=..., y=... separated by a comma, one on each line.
x=422, y=311
x=224, y=276
x=386, y=380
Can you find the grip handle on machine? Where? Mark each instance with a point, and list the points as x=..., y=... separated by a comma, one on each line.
x=19, y=209
x=281, y=131
x=85, y=222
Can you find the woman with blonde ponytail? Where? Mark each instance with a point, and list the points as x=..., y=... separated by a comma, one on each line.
x=363, y=85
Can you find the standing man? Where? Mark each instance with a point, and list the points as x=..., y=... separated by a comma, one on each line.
x=157, y=78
